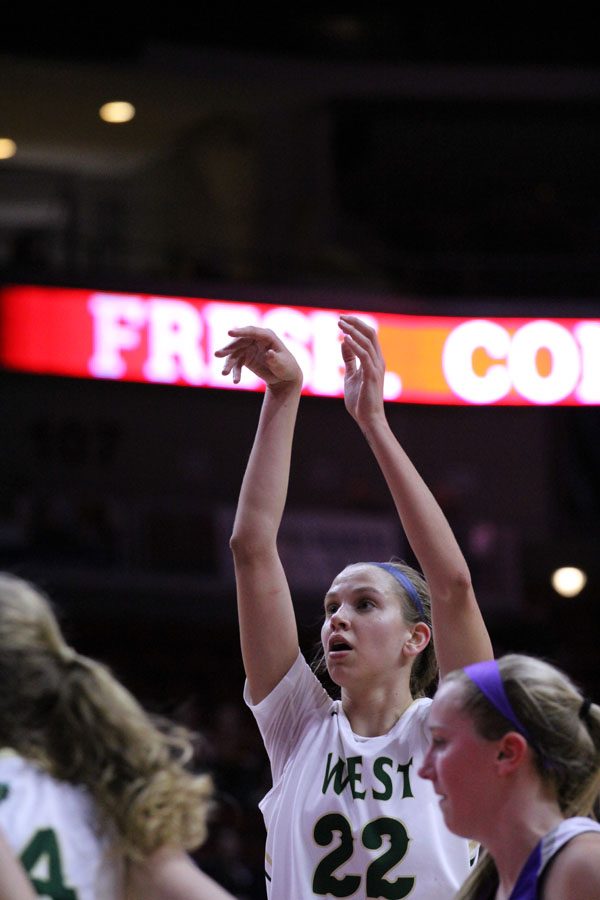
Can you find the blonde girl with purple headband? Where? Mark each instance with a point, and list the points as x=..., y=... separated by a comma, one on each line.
x=347, y=815
x=515, y=761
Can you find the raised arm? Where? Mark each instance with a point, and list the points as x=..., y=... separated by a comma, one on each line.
x=268, y=631
x=171, y=875
x=459, y=630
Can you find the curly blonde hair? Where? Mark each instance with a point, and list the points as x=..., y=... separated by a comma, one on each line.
x=68, y=714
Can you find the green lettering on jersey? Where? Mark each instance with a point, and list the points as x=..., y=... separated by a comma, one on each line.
x=382, y=776
x=354, y=776
x=348, y=772
x=332, y=878
x=4, y=791
x=336, y=773
x=43, y=853
x=406, y=788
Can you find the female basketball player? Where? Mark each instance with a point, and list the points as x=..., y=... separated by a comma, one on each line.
x=515, y=760
x=348, y=815
x=96, y=801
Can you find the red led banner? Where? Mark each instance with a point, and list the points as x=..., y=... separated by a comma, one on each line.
x=171, y=340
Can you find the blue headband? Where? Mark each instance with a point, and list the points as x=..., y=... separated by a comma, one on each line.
x=406, y=584
x=486, y=675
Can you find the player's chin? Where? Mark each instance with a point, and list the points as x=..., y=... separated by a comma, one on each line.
x=453, y=822
x=333, y=667
x=338, y=672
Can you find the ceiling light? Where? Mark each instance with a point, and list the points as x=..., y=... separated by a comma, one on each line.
x=117, y=111
x=568, y=581
x=8, y=148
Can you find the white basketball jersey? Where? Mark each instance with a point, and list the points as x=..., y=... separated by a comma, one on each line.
x=348, y=816
x=51, y=826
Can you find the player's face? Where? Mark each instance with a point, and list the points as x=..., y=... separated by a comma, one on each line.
x=459, y=763
x=364, y=631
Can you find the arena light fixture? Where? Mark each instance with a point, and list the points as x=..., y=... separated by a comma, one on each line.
x=568, y=581
x=117, y=111
x=8, y=148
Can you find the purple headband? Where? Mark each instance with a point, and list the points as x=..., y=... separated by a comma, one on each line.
x=406, y=584
x=486, y=675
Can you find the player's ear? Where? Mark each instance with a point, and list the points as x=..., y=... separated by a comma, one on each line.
x=512, y=752
x=419, y=638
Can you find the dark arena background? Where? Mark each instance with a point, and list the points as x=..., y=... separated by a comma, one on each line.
x=392, y=164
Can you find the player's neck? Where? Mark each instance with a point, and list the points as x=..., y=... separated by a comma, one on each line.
x=516, y=832
x=374, y=712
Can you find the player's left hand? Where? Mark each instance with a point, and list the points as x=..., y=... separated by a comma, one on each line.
x=365, y=370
